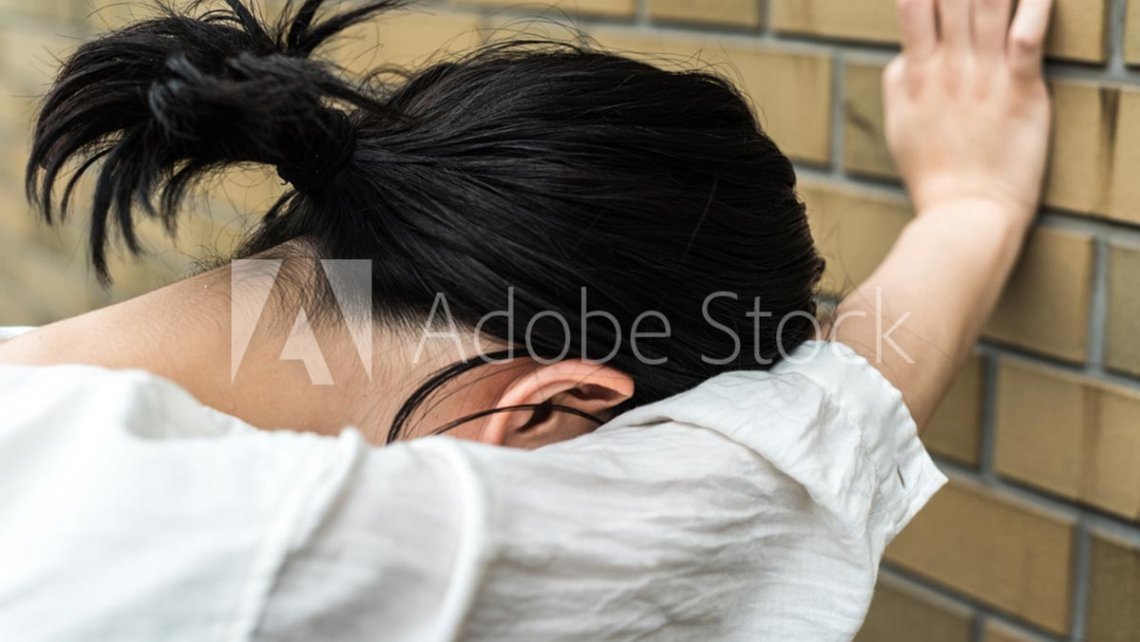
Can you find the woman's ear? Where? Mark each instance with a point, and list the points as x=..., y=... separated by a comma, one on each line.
x=591, y=388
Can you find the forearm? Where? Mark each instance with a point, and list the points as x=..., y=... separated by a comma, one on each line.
x=967, y=120
x=939, y=284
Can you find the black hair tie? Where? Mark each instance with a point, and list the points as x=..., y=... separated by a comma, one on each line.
x=319, y=158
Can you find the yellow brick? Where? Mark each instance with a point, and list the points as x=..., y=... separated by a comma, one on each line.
x=13, y=160
x=16, y=307
x=153, y=235
x=60, y=255
x=409, y=38
x=1078, y=31
x=998, y=632
x=135, y=276
x=56, y=10
x=955, y=430
x=1123, y=349
x=864, y=144
x=17, y=107
x=164, y=260
x=1132, y=33
x=16, y=218
x=250, y=190
x=107, y=15
x=1040, y=427
x=24, y=304
x=875, y=20
x=555, y=8
x=1070, y=436
x=790, y=88
x=1093, y=166
x=214, y=221
x=502, y=27
x=1095, y=159
x=1124, y=202
x=745, y=13
x=33, y=57
x=1096, y=143
x=74, y=230
x=1010, y=556
x=854, y=229
x=902, y=613
x=1114, y=590
x=1114, y=482
x=61, y=286
x=1081, y=163
x=1046, y=305
x=215, y=235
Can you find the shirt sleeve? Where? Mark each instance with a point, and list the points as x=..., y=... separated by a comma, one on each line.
x=754, y=507
x=8, y=332
x=132, y=512
x=903, y=475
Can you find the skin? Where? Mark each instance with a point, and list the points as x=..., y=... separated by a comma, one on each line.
x=967, y=118
x=966, y=72
x=182, y=332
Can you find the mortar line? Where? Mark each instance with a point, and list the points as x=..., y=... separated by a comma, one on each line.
x=988, y=443
x=1080, y=588
x=1098, y=310
x=901, y=572
x=838, y=88
x=1114, y=35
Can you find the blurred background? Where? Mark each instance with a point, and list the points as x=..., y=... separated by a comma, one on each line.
x=1038, y=535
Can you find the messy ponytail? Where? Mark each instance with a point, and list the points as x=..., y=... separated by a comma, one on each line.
x=518, y=180
x=164, y=103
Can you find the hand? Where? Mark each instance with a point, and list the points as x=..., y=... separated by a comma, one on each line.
x=967, y=109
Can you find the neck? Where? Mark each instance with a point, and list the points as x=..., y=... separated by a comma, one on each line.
x=289, y=375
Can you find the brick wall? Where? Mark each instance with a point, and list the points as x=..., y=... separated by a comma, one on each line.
x=1038, y=535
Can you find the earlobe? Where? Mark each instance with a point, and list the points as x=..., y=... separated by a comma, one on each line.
x=591, y=389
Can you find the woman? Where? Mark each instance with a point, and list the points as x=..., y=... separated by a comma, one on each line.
x=550, y=239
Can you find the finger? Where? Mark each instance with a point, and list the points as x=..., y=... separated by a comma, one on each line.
x=991, y=26
x=954, y=20
x=919, y=29
x=1027, y=36
x=895, y=77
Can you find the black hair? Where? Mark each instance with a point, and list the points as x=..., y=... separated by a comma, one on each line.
x=532, y=167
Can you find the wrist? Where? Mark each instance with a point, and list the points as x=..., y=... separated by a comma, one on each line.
x=981, y=213
x=983, y=230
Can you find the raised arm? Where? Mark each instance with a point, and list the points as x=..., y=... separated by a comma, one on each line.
x=968, y=117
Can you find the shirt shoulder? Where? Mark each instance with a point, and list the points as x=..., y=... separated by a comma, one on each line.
x=753, y=488
x=128, y=403
x=12, y=331
x=826, y=418
x=131, y=461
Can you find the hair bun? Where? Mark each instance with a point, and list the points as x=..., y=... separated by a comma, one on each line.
x=322, y=155
x=164, y=102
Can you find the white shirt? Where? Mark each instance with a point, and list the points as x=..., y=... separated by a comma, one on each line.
x=754, y=507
